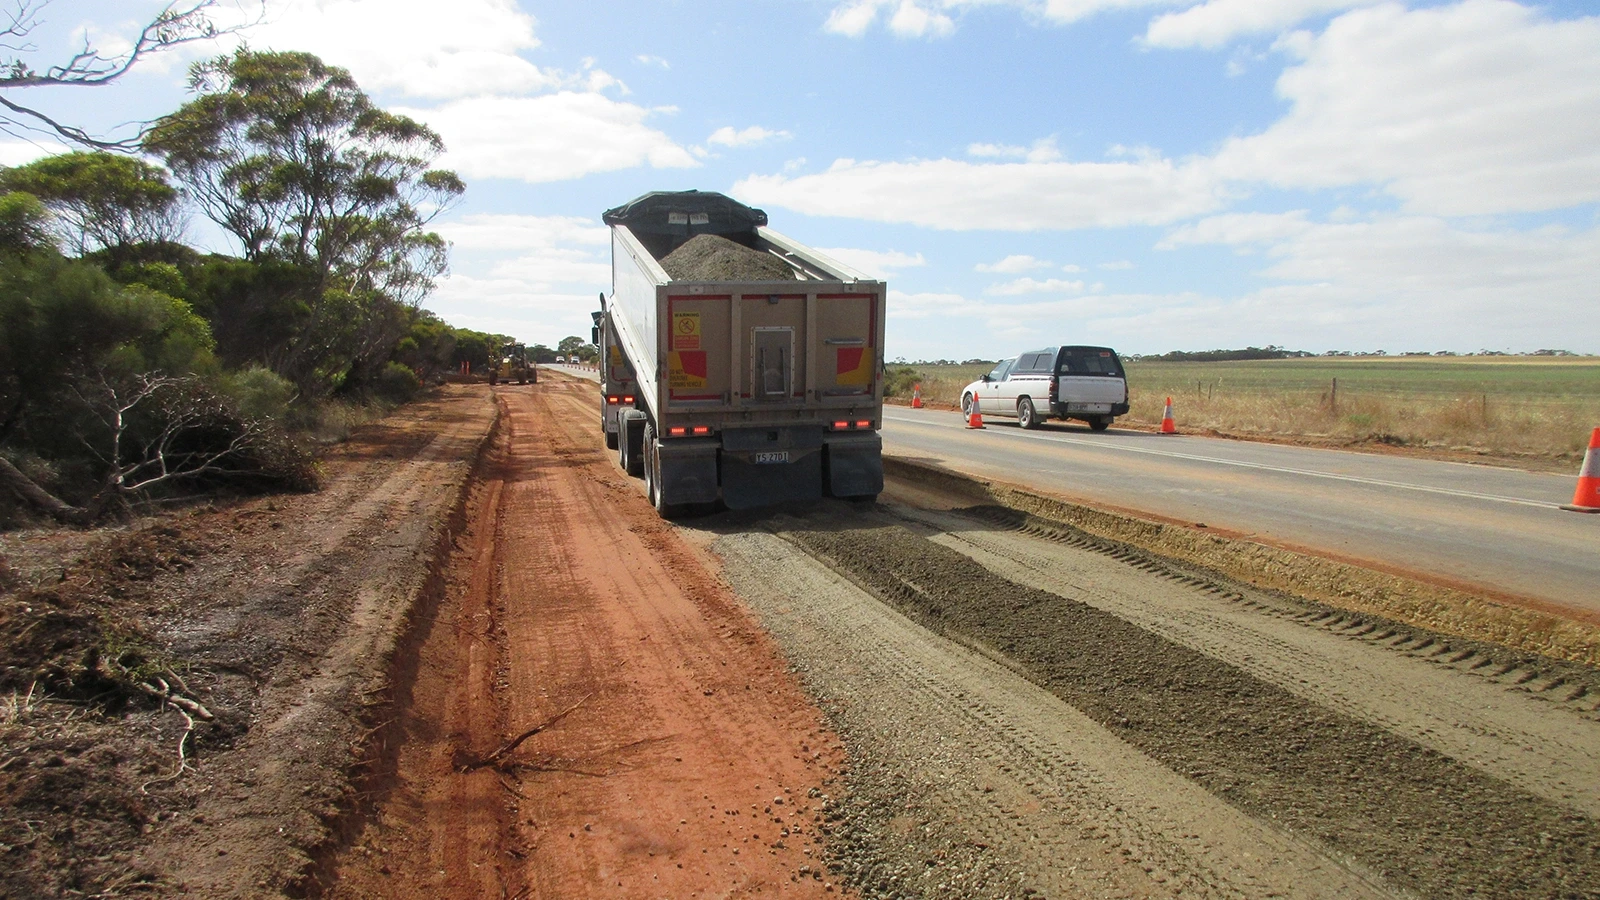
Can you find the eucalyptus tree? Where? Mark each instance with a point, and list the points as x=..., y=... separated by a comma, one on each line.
x=101, y=201
x=292, y=158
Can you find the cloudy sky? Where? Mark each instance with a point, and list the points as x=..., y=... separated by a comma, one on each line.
x=1149, y=174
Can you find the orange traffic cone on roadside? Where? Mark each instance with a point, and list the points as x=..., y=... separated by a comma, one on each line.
x=974, y=416
x=1167, y=425
x=1587, y=497
x=916, y=396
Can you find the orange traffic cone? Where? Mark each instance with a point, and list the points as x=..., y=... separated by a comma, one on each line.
x=1587, y=497
x=1167, y=425
x=916, y=396
x=974, y=417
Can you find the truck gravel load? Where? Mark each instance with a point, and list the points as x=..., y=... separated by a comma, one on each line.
x=708, y=257
x=737, y=365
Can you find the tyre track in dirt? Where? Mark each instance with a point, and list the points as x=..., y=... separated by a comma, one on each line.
x=1425, y=821
x=688, y=758
x=305, y=643
x=1551, y=749
x=967, y=780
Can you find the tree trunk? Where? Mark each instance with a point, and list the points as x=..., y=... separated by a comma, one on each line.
x=12, y=477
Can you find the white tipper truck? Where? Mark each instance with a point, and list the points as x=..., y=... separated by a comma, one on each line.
x=748, y=392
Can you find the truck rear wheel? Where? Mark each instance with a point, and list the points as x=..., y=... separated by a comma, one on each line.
x=652, y=475
x=630, y=441
x=611, y=438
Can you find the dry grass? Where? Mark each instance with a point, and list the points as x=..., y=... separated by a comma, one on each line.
x=1510, y=407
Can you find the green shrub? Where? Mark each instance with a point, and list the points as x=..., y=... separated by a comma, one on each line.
x=899, y=380
x=260, y=393
x=396, y=384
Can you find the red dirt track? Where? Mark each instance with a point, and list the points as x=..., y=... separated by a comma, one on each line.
x=687, y=760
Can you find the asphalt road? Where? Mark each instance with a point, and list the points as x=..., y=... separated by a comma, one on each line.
x=1498, y=528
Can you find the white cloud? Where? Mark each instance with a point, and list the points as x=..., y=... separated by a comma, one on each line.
x=1420, y=280
x=18, y=153
x=552, y=137
x=1117, y=265
x=1033, y=286
x=1480, y=107
x=411, y=46
x=1043, y=150
x=487, y=231
x=533, y=277
x=906, y=18
x=957, y=195
x=928, y=305
x=877, y=263
x=1017, y=262
x=1070, y=268
x=748, y=137
x=1238, y=229
x=1217, y=22
x=648, y=60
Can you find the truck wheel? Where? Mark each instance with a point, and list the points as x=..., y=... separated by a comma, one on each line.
x=630, y=441
x=1026, y=416
x=611, y=438
x=652, y=475
x=1100, y=423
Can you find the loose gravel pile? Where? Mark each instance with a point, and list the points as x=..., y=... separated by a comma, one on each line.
x=707, y=257
x=1418, y=818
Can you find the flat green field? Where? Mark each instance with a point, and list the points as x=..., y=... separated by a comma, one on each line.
x=1514, y=407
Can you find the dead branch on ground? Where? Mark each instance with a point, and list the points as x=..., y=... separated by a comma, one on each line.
x=509, y=747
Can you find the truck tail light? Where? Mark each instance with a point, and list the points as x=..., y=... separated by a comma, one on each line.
x=687, y=430
x=677, y=431
x=848, y=425
x=612, y=399
x=863, y=423
x=628, y=399
x=700, y=430
x=1055, y=389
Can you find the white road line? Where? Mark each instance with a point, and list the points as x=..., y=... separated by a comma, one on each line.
x=1332, y=476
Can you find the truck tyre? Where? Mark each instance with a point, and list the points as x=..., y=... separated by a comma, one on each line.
x=1100, y=423
x=611, y=438
x=630, y=441
x=652, y=475
x=1027, y=417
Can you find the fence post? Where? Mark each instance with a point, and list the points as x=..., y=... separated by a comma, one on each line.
x=1333, y=397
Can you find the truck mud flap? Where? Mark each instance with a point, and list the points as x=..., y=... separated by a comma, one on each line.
x=688, y=471
x=747, y=484
x=853, y=465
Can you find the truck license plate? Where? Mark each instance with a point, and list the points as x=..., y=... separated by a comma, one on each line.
x=1089, y=407
x=773, y=456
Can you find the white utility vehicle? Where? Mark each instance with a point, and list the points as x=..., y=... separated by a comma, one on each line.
x=1068, y=382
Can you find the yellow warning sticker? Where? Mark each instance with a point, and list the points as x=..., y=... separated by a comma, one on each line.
x=686, y=330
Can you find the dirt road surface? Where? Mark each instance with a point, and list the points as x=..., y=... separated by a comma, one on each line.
x=680, y=758
x=456, y=674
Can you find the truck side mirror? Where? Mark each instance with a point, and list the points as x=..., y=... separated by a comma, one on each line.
x=596, y=333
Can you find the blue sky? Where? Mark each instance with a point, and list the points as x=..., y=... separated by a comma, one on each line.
x=1148, y=174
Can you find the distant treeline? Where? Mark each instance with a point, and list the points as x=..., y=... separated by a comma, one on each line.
x=1268, y=352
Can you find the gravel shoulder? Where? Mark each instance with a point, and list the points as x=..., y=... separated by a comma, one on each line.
x=1360, y=764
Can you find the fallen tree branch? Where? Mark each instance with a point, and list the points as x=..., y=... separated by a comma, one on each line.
x=509, y=747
